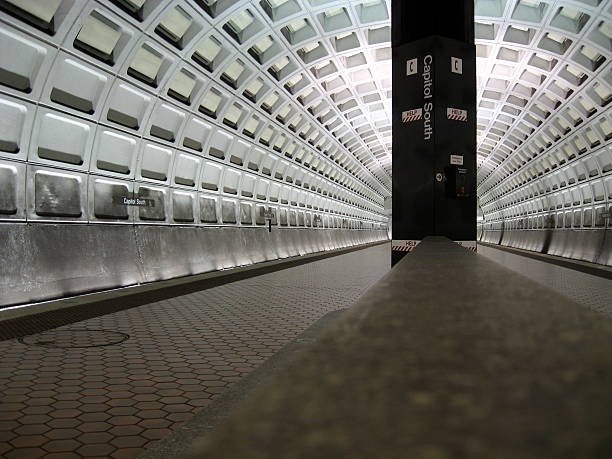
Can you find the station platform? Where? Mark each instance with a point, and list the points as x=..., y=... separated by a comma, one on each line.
x=140, y=381
x=70, y=392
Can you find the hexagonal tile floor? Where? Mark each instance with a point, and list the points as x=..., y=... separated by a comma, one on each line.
x=76, y=392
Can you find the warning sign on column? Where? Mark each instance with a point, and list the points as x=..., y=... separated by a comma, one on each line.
x=403, y=245
x=470, y=245
x=412, y=115
x=456, y=114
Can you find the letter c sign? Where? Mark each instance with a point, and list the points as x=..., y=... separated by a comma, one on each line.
x=411, y=67
x=457, y=65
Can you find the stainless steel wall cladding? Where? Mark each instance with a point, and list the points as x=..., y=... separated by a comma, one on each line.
x=156, y=199
x=246, y=213
x=183, y=205
x=228, y=211
x=8, y=190
x=208, y=210
x=47, y=260
x=108, y=199
x=593, y=245
x=57, y=194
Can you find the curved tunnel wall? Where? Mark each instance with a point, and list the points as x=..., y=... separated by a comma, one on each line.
x=545, y=127
x=170, y=103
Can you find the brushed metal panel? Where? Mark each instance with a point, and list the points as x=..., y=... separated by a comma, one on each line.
x=8, y=190
x=57, y=195
x=283, y=217
x=173, y=251
x=228, y=211
x=106, y=200
x=259, y=216
x=157, y=212
x=208, y=210
x=44, y=260
x=274, y=216
x=234, y=248
x=246, y=213
x=279, y=242
x=182, y=205
x=291, y=241
x=254, y=243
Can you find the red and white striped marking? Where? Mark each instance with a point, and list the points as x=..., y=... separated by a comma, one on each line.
x=406, y=245
x=470, y=245
x=403, y=245
x=412, y=115
x=456, y=114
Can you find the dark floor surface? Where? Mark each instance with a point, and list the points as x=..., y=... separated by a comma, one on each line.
x=116, y=400
x=70, y=392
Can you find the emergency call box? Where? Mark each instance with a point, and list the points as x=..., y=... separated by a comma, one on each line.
x=457, y=182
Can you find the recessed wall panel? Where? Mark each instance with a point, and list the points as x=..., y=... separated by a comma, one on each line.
x=182, y=207
x=22, y=62
x=12, y=190
x=61, y=140
x=15, y=127
x=114, y=152
x=208, y=209
x=155, y=162
x=108, y=199
x=228, y=211
x=155, y=210
x=54, y=194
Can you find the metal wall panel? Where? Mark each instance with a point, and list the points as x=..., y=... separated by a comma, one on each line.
x=208, y=209
x=108, y=195
x=46, y=261
x=12, y=190
x=55, y=194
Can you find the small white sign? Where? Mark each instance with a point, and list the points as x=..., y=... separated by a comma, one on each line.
x=412, y=115
x=456, y=114
x=457, y=65
x=411, y=67
x=457, y=160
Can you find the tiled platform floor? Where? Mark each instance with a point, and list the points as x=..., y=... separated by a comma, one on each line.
x=590, y=291
x=114, y=401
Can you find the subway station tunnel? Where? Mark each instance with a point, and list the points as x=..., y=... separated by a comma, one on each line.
x=196, y=206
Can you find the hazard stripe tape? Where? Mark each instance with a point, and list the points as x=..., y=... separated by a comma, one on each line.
x=401, y=248
x=457, y=118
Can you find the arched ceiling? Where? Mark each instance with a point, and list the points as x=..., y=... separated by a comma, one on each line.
x=315, y=75
x=544, y=85
x=308, y=80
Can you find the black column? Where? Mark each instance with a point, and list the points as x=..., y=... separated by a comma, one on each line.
x=434, y=122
